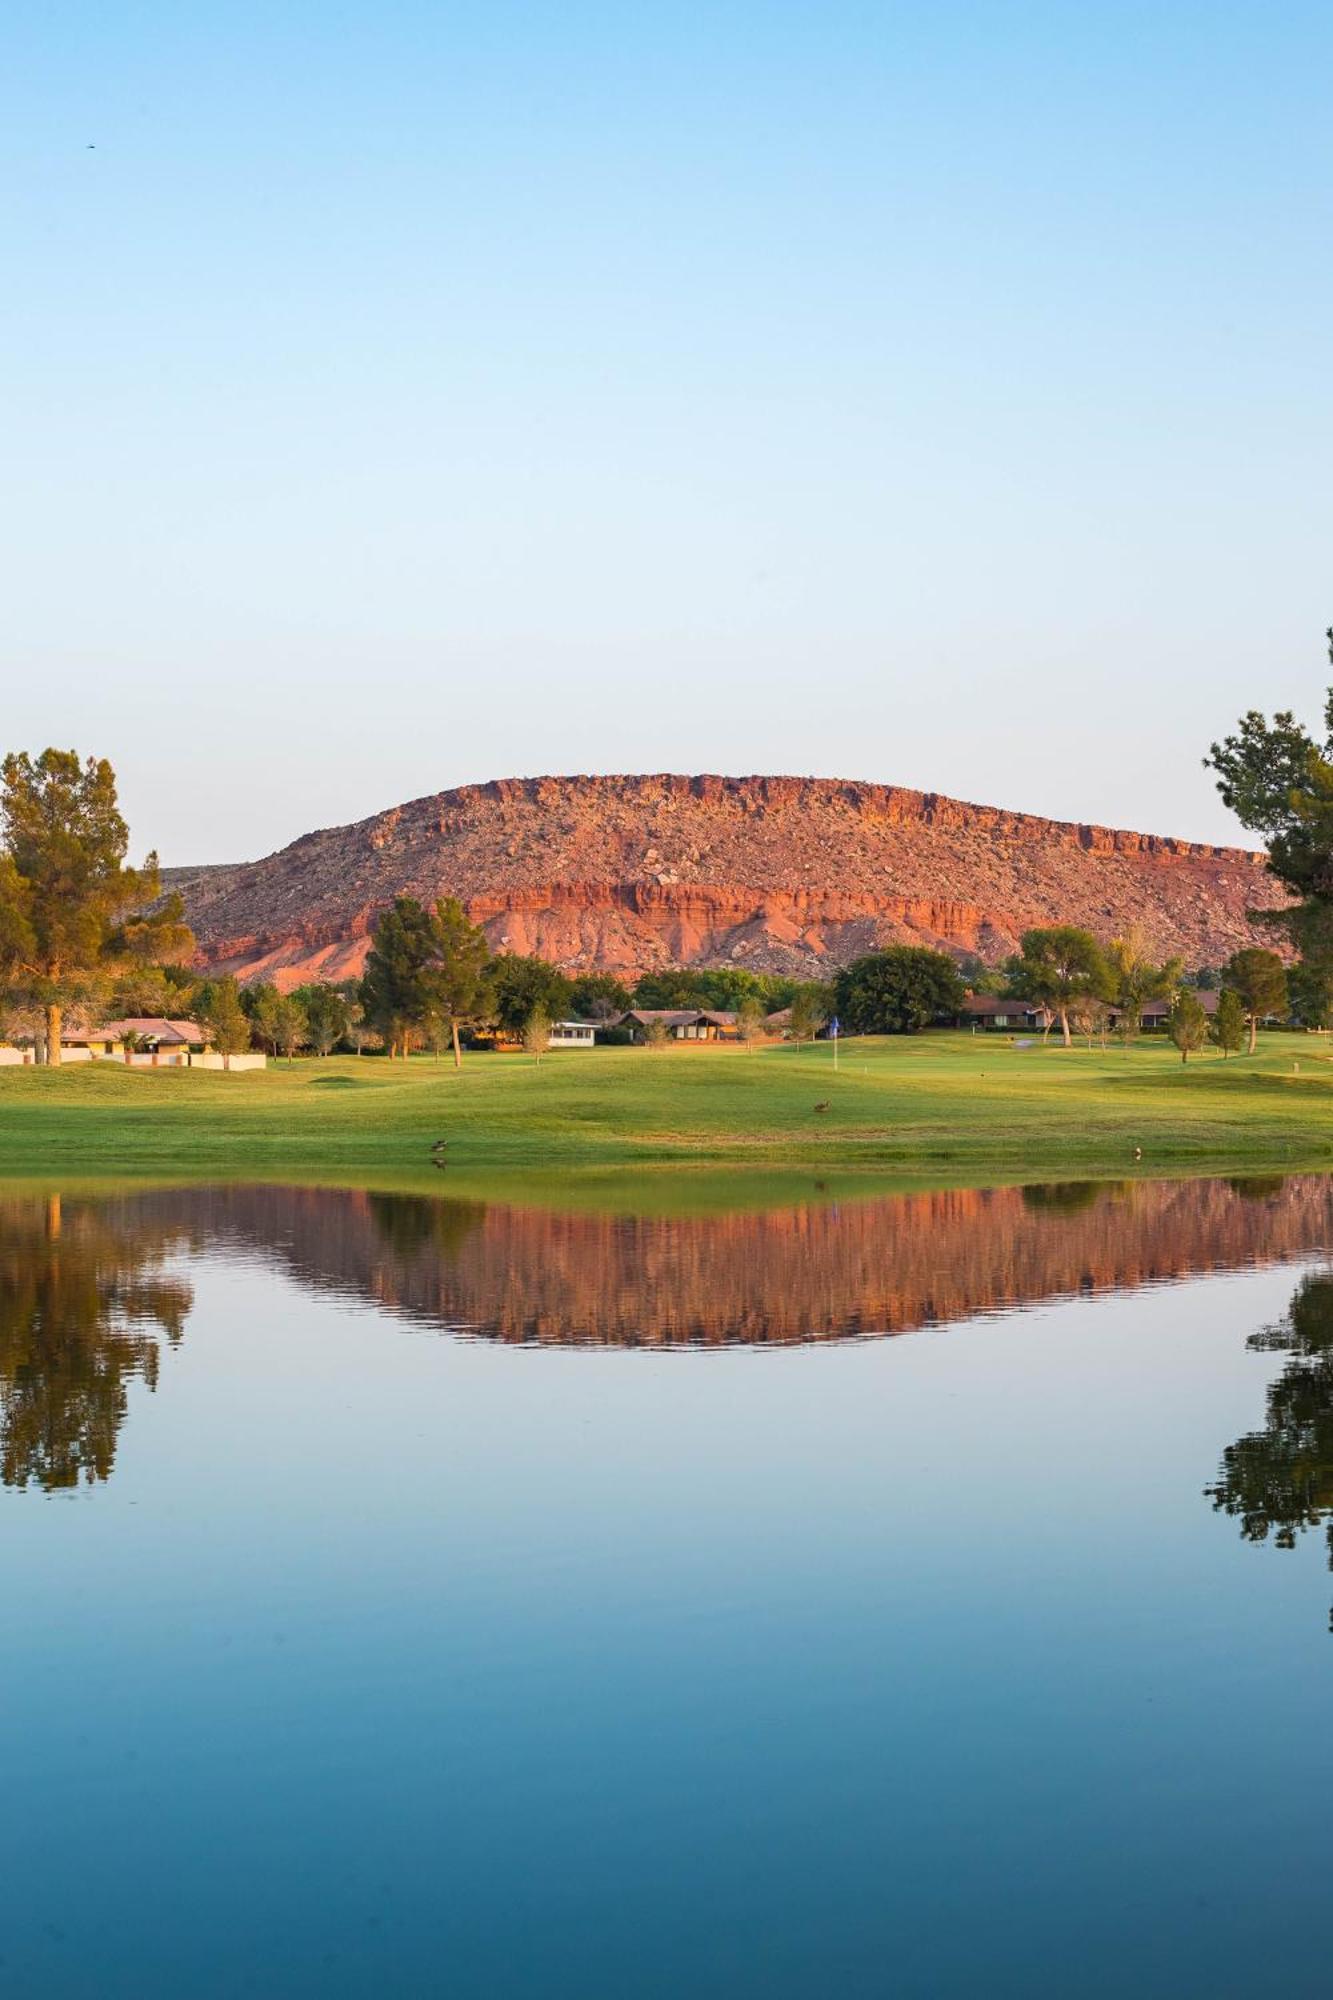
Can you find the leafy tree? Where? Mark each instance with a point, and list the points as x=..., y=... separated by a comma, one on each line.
x=750, y=1022
x=1260, y=979
x=1059, y=966
x=1279, y=782
x=519, y=986
x=537, y=1034
x=349, y=991
x=1134, y=980
x=1207, y=979
x=81, y=1303
x=290, y=1025
x=720, y=986
x=654, y=1034
x=1227, y=1029
x=1187, y=1024
x=809, y=1010
x=898, y=991
x=71, y=913
x=1090, y=1018
x=1310, y=993
x=325, y=1013
x=150, y=990
x=263, y=1003
x=218, y=1006
x=458, y=974
x=598, y=996
x=1279, y=1480
x=398, y=989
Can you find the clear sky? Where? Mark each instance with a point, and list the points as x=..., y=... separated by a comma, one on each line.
x=408, y=394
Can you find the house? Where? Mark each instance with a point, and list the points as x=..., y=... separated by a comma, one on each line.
x=151, y=1038
x=572, y=1034
x=1157, y=1012
x=987, y=1011
x=682, y=1024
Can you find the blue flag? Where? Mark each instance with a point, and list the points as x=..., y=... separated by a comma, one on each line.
x=835, y=1028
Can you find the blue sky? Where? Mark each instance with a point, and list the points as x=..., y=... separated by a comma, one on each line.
x=402, y=396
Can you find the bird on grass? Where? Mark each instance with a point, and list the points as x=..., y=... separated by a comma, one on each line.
x=823, y=1104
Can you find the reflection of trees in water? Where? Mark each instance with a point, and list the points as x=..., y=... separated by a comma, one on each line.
x=814, y=1270
x=1279, y=1480
x=80, y=1287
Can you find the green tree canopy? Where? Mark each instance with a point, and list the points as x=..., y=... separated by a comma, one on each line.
x=1310, y=993
x=898, y=991
x=1279, y=782
x=520, y=985
x=598, y=996
x=72, y=914
x=1187, y=1024
x=218, y=1006
x=1259, y=978
x=1226, y=1031
x=398, y=988
x=326, y=1015
x=1057, y=967
x=809, y=1010
x=1279, y=1480
x=458, y=974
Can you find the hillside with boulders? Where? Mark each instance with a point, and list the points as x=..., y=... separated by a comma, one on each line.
x=792, y=875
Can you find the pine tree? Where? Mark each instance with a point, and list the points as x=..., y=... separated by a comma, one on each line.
x=1187, y=1024
x=72, y=914
x=1227, y=1029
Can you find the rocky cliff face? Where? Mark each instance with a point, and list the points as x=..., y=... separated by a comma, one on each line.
x=779, y=874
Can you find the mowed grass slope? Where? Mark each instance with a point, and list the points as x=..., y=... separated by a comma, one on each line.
x=956, y=1102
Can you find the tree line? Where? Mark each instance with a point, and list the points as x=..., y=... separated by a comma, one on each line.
x=81, y=928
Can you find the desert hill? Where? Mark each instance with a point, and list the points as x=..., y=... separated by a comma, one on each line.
x=778, y=874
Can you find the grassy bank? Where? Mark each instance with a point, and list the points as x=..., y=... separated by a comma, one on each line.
x=949, y=1103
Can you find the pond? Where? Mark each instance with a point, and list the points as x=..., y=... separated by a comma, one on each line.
x=661, y=1588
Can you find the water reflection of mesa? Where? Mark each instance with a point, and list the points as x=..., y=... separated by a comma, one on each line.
x=819, y=1272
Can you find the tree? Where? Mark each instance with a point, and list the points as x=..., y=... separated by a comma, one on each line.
x=458, y=973
x=71, y=913
x=263, y=1003
x=654, y=1034
x=537, y=1034
x=599, y=997
x=1279, y=1480
x=1134, y=980
x=1260, y=979
x=898, y=991
x=218, y=1006
x=809, y=1010
x=1059, y=966
x=325, y=1013
x=1310, y=993
x=1227, y=1028
x=1090, y=1018
x=150, y=990
x=290, y=1026
x=519, y=986
x=750, y=1022
x=1279, y=782
x=397, y=990
x=1187, y=1024
x=349, y=991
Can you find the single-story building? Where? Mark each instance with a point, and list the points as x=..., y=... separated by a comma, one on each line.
x=1010, y=1017
x=150, y=1037
x=1157, y=1012
x=682, y=1024
x=572, y=1034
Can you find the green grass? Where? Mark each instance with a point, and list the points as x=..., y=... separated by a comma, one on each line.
x=935, y=1106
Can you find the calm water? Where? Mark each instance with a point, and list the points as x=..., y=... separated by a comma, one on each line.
x=413, y=1596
